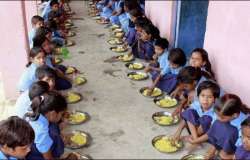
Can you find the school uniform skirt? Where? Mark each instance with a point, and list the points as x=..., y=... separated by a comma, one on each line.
x=167, y=83
x=190, y=115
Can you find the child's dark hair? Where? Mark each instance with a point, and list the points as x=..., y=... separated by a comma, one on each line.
x=141, y=21
x=204, y=55
x=246, y=122
x=38, y=88
x=38, y=40
x=162, y=42
x=131, y=4
x=177, y=56
x=45, y=103
x=42, y=31
x=45, y=71
x=135, y=13
x=33, y=53
x=36, y=19
x=52, y=25
x=16, y=132
x=215, y=89
x=53, y=2
x=230, y=104
x=189, y=74
x=151, y=29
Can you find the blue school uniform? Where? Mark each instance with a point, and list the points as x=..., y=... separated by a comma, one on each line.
x=118, y=7
x=101, y=4
x=107, y=12
x=4, y=157
x=131, y=35
x=168, y=80
x=146, y=50
x=220, y=140
x=195, y=115
x=31, y=35
x=23, y=104
x=237, y=123
x=241, y=153
x=46, y=11
x=48, y=61
x=27, y=78
x=44, y=140
x=124, y=21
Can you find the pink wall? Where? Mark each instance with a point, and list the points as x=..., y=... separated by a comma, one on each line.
x=160, y=13
x=13, y=31
x=227, y=41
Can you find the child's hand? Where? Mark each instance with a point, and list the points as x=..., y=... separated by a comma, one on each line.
x=155, y=56
x=177, y=111
x=147, y=69
x=190, y=140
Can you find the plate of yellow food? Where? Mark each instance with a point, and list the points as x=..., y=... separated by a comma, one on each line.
x=100, y=21
x=80, y=80
x=119, y=49
x=166, y=102
x=156, y=92
x=73, y=97
x=115, y=41
x=165, y=119
x=97, y=17
x=125, y=58
x=68, y=24
x=165, y=144
x=134, y=65
x=68, y=21
x=71, y=34
x=193, y=157
x=70, y=70
x=58, y=60
x=113, y=27
x=117, y=30
x=69, y=43
x=77, y=117
x=76, y=156
x=137, y=76
x=119, y=34
x=78, y=139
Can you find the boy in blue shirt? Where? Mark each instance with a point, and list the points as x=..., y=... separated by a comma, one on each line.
x=16, y=137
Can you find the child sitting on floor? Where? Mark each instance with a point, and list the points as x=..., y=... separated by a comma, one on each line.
x=222, y=135
x=199, y=58
x=47, y=111
x=131, y=34
x=46, y=82
x=117, y=13
x=23, y=102
x=36, y=22
x=200, y=116
x=16, y=136
x=125, y=20
x=62, y=82
x=146, y=42
x=243, y=151
x=170, y=63
x=36, y=59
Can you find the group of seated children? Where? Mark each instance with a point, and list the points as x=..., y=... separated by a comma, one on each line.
x=209, y=114
x=35, y=130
